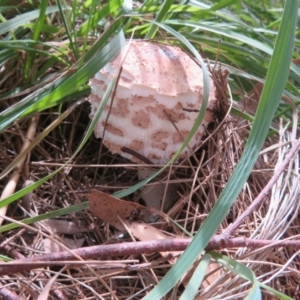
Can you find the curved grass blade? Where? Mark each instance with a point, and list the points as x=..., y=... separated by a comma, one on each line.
x=110, y=8
x=198, y=121
x=160, y=16
x=53, y=214
x=275, y=82
x=55, y=92
x=223, y=4
x=25, y=18
x=116, y=44
x=281, y=296
x=240, y=270
x=24, y=45
x=31, y=187
x=222, y=32
x=35, y=37
x=67, y=28
x=192, y=288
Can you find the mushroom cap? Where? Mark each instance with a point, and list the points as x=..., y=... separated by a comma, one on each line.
x=155, y=104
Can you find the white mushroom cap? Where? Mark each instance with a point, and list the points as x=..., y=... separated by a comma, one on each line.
x=155, y=105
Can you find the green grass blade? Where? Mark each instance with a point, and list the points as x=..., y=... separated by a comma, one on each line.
x=25, y=18
x=198, y=121
x=223, y=4
x=65, y=17
x=92, y=13
x=192, y=288
x=242, y=271
x=116, y=44
x=160, y=16
x=56, y=92
x=35, y=37
x=53, y=214
x=110, y=8
x=29, y=188
x=223, y=32
x=281, y=296
x=275, y=82
x=113, y=47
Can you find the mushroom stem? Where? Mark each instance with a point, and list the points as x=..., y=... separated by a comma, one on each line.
x=158, y=195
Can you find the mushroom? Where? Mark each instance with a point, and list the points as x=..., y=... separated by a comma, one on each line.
x=156, y=102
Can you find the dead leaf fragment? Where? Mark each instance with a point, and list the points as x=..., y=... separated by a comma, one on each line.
x=46, y=290
x=65, y=227
x=125, y=215
x=111, y=210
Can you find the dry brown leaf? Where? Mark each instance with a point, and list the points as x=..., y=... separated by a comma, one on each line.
x=145, y=232
x=111, y=210
x=124, y=214
x=44, y=295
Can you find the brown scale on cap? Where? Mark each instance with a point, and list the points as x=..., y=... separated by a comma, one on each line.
x=112, y=129
x=179, y=137
x=151, y=110
x=136, y=145
x=121, y=108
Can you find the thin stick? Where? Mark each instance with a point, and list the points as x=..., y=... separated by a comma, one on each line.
x=8, y=294
x=13, y=180
x=218, y=242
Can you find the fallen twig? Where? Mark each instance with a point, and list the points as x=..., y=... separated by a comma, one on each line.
x=9, y=295
x=134, y=248
x=13, y=180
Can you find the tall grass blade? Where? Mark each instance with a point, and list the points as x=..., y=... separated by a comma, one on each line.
x=193, y=286
x=198, y=121
x=25, y=18
x=242, y=271
x=35, y=37
x=113, y=46
x=275, y=82
x=160, y=16
x=58, y=91
x=65, y=17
